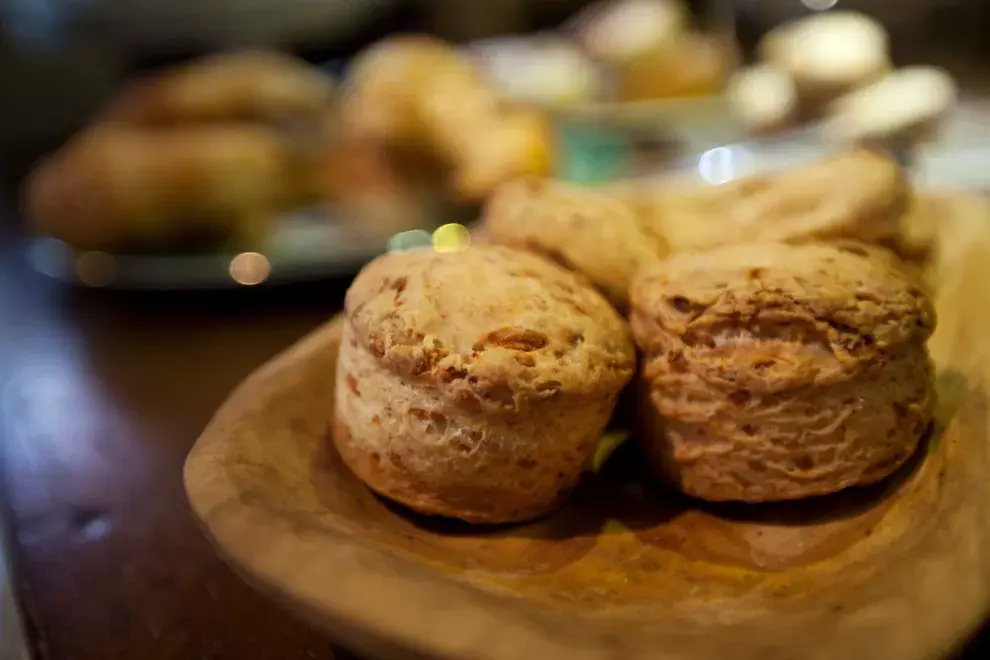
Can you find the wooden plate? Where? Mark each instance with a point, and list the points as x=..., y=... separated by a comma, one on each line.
x=901, y=570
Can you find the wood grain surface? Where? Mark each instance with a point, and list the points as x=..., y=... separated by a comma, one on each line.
x=900, y=570
x=109, y=562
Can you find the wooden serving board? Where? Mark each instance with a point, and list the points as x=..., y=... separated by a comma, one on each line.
x=625, y=570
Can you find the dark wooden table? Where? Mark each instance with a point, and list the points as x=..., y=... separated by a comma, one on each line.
x=102, y=396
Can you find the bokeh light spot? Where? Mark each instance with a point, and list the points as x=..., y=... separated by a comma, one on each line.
x=250, y=268
x=408, y=240
x=451, y=238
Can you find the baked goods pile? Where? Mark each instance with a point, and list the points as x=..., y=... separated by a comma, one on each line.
x=835, y=66
x=418, y=94
x=780, y=353
x=612, y=51
x=213, y=151
x=195, y=153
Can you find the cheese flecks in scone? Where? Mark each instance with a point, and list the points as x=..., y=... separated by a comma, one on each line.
x=779, y=372
x=476, y=384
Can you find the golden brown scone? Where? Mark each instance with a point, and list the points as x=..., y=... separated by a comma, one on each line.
x=476, y=384
x=239, y=86
x=918, y=234
x=857, y=194
x=584, y=230
x=114, y=187
x=777, y=372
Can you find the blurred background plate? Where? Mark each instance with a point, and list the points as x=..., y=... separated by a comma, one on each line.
x=307, y=246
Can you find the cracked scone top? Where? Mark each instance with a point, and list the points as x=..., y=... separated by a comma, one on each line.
x=489, y=327
x=589, y=232
x=856, y=194
x=476, y=384
x=778, y=372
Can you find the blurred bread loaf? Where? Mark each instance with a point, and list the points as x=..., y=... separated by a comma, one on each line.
x=692, y=65
x=475, y=384
x=417, y=91
x=828, y=54
x=905, y=105
x=207, y=152
x=764, y=98
x=235, y=86
x=650, y=50
x=381, y=94
x=777, y=372
x=619, y=31
x=115, y=187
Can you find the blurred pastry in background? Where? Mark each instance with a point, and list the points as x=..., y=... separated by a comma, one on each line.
x=692, y=65
x=518, y=143
x=425, y=95
x=907, y=104
x=116, y=188
x=598, y=236
x=857, y=194
x=828, y=54
x=387, y=189
x=384, y=86
x=620, y=31
x=237, y=86
x=547, y=71
x=764, y=98
x=650, y=49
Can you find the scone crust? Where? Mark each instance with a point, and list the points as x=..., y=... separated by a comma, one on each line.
x=585, y=230
x=806, y=314
x=778, y=372
x=858, y=194
x=490, y=328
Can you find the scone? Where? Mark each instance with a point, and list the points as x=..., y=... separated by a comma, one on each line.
x=777, y=372
x=477, y=384
x=115, y=187
x=857, y=194
x=584, y=230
